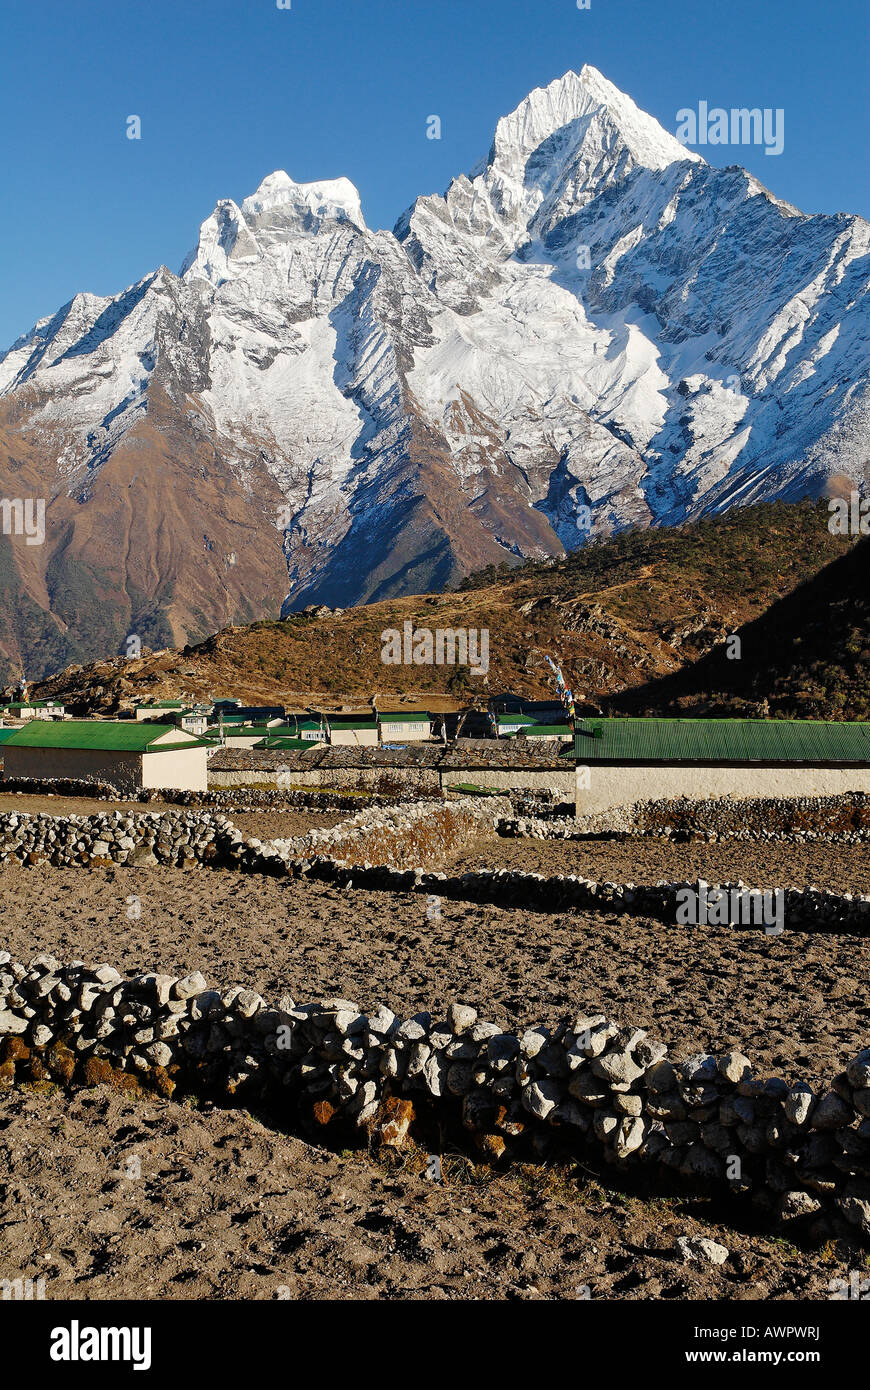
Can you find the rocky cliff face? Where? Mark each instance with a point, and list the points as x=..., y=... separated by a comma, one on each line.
x=594, y=329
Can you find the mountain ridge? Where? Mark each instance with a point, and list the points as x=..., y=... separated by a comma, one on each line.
x=640, y=623
x=352, y=414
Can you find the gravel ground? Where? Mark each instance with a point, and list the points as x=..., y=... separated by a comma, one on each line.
x=796, y=1003
x=845, y=868
x=108, y=1197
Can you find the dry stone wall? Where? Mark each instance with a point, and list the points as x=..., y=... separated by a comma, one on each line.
x=392, y=848
x=801, y=1151
x=845, y=819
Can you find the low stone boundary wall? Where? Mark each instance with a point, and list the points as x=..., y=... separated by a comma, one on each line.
x=807, y=909
x=394, y=835
x=60, y=786
x=382, y=849
x=391, y=783
x=283, y=799
x=845, y=819
x=119, y=837
x=803, y=1153
x=403, y=837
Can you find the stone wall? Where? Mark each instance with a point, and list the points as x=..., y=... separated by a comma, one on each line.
x=393, y=848
x=391, y=835
x=802, y=1153
x=405, y=837
x=61, y=786
x=845, y=819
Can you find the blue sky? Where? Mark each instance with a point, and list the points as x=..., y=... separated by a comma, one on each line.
x=229, y=90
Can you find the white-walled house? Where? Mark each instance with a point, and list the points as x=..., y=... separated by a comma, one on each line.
x=404, y=726
x=621, y=761
x=352, y=730
x=128, y=754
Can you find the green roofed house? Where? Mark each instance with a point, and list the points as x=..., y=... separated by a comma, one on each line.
x=311, y=730
x=355, y=730
x=34, y=709
x=621, y=761
x=404, y=726
x=554, y=731
x=287, y=744
x=127, y=754
x=158, y=709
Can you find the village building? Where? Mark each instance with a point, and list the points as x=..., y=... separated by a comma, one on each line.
x=556, y=732
x=352, y=730
x=404, y=726
x=129, y=755
x=244, y=736
x=257, y=714
x=502, y=707
x=35, y=709
x=311, y=731
x=621, y=761
x=159, y=709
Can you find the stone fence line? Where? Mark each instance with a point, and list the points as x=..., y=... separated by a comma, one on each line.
x=396, y=849
x=800, y=1151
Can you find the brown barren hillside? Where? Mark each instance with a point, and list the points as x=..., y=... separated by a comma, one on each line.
x=633, y=621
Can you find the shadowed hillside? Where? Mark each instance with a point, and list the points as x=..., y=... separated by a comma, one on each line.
x=807, y=657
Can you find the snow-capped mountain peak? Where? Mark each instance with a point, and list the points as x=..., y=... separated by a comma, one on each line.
x=335, y=200
x=576, y=108
x=596, y=329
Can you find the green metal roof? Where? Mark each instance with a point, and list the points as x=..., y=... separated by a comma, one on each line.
x=411, y=716
x=111, y=735
x=302, y=745
x=6, y=734
x=722, y=741
x=546, y=731
x=352, y=723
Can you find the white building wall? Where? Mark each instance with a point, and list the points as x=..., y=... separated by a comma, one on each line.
x=354, y=738
x=185, y=768
x=398, y=732
x=622, y=786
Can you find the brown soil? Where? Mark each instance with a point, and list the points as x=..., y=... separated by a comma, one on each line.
x=109, y=1197
x=841, y=868
x=797, y=1003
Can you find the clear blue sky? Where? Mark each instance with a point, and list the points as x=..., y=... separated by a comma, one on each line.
x=229, y=90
